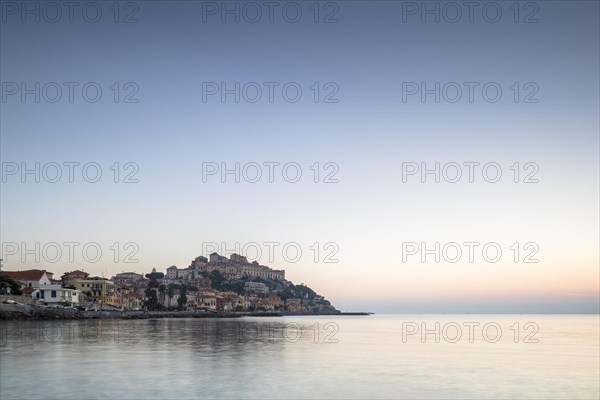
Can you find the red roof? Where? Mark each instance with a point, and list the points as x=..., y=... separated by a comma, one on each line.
x=28, y=290
x=29, y=275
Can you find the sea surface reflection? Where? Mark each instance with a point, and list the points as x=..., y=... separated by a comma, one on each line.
x=381, y=356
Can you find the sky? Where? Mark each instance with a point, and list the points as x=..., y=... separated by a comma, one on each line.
x=301, y=134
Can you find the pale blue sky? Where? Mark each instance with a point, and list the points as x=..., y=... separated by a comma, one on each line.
x=170, y=132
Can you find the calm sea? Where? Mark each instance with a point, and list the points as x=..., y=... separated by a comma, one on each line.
x=379, y=356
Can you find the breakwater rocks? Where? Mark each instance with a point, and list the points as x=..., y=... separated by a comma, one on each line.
x=32, y=312
x=53, y=314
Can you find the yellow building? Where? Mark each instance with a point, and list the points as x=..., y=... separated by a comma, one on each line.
x=98, y=290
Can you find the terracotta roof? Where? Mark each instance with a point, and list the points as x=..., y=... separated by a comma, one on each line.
x=29, y=275
x=28, y=290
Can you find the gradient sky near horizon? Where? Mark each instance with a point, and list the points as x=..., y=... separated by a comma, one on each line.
x=369, y=133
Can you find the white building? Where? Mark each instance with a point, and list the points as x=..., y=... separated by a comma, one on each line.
x=255, y=269
x=180, y=276
x=171, y=272
x=256, y=287
x=206, y=299
x=216, y=258
x=127, y=276
x=56, y=294
x=32, y=278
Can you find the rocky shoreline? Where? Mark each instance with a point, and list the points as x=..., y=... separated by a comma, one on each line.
x=37, y=313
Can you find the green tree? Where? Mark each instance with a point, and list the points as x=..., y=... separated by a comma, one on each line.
x=235, y=286
x=170, y=294
x=151, y=302
x=304, y=292
x=182, y=300
x=162, y=290
x=8, y=283
x=155, y=275
x=287, y=293
x=216, y=279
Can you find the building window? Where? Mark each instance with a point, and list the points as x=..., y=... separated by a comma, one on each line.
x=53, y=293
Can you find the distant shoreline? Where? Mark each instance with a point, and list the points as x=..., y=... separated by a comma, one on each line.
x=63, y=314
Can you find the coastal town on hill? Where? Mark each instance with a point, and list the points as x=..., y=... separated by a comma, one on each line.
x=208, y=285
